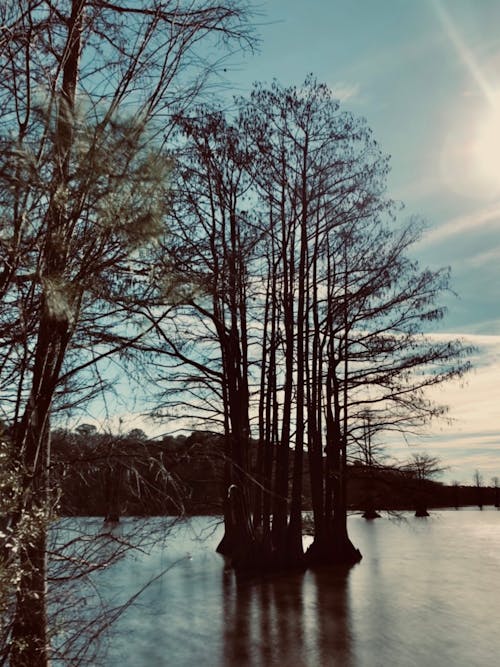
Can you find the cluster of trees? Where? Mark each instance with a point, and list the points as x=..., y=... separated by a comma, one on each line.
x=482, y=497
x=303, y=317
x=110, y=476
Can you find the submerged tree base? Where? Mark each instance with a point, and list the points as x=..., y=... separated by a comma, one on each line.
x=332, y=552
x=421, y=512
x=258, y=557
x=224, y=547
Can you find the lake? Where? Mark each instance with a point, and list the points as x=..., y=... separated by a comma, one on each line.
x=425, y=594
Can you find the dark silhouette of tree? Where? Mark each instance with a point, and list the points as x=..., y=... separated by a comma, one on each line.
x=478, y=483
x=371, y=454
x=212, y=245
x=354, y=312
x=421, y=468
x=328, y=317
x=83, y=193
x=456, y=493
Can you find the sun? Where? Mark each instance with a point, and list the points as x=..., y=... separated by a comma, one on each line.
x=470, y=153
x=470, y=159
x=486, y=146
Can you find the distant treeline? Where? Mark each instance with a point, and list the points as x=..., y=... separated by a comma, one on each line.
x=107, y=475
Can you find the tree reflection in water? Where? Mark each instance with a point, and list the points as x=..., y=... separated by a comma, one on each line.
x=292, y=619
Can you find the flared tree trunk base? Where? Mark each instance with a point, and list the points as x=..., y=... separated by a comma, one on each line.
x=421, y=511
x=248, y=551
x=225, y=548
x=249, y=558
x=332, y=552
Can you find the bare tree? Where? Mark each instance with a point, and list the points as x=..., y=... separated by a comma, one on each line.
x=304, y=315
x=335, y=307
x=83, y=193
x=456, y=493
x=371, y=454
x=350, y=305
x=478, y=483
x=421, y=468
x=212, y=245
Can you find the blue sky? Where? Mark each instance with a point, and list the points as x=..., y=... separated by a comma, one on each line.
x=426, y=76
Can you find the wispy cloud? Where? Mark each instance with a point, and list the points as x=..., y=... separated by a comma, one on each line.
x=485, y=341
x=470, y=437
x=483, y=258
x=483, y=218
x=484, y=326
x=345, y=91
x=463, y=50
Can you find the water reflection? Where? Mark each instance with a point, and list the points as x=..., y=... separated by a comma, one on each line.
x=334, y=639
x=425, y=593
x=294, y=619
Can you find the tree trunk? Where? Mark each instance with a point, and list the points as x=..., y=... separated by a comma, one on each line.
x=29, y=638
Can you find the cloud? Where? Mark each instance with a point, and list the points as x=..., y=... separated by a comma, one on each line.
x=488, y=216
x=462, y=49
x=480, y=259
x=469, y=437
x=345, y=91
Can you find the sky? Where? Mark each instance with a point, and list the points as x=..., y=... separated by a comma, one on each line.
x=426, y=76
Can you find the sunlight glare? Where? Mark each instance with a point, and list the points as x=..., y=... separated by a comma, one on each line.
x=470, y=160
x=486, y=147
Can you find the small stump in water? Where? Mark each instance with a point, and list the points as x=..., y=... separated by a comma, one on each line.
x=421, y=512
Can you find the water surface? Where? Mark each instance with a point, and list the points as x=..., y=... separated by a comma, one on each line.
x=425, y=594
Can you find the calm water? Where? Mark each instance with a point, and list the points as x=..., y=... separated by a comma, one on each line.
x=426, y=594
